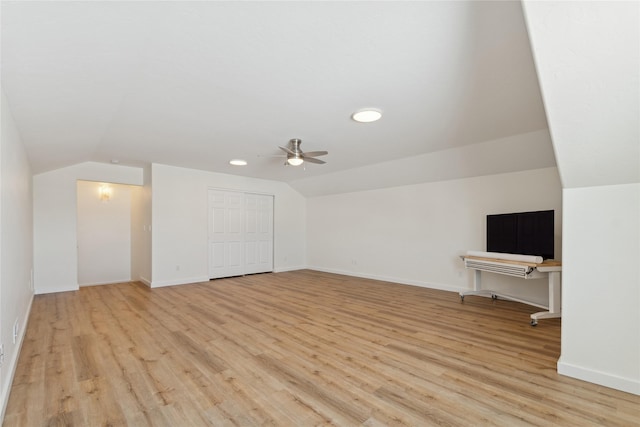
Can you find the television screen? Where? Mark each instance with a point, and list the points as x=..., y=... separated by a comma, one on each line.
x=524, y=233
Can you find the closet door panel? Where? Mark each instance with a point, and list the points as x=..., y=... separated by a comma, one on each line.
x=259, y=233
x=240, y=233
x=217, y=255
x=226, y=233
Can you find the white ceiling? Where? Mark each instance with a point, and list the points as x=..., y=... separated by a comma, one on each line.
x=195, y=84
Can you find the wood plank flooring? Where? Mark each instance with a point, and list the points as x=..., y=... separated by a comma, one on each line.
x=300, y=348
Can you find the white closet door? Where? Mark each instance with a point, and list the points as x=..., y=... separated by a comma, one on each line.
x=240, y=233
x=226, y=234
x=258, y=239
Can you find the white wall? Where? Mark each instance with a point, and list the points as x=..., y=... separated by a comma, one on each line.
x=16, y=249
x=602, y=272
x=179, y=222
x=588, y=60
x=55, y=220
x=415, y=234
x=141, y=230
x=104, y=234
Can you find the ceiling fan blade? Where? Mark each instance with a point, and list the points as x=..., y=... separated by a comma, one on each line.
x=316, y=153
x=286, y=150
x=312, y=160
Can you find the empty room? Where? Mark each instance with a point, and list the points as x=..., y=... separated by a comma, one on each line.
x=308, y=213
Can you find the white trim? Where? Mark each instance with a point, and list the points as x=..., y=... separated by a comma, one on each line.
x=185, y=281
x=14, y=361
x=56, y=290
x=240, y=191
x=284, y=269
x=145, y=281
x=392, y=280
x=628, y=385
x=110, y=282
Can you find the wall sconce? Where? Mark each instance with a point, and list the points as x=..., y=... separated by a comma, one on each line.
x=105, y=193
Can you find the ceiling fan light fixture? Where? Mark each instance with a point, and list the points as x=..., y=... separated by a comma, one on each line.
x=238, y=162
x=367, y=115
x=295, y=160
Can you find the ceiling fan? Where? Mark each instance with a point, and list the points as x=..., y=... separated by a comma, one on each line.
x=295, y=156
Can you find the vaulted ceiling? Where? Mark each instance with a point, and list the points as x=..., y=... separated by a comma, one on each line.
x=196, y=84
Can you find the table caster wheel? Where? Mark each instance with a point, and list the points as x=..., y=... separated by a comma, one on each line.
x=494, y=297
x=461, y=298
x=534, y=322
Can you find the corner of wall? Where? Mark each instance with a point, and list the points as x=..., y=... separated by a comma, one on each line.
x=596, y=377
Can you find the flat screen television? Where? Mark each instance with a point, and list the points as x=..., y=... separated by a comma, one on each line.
x=524, y=233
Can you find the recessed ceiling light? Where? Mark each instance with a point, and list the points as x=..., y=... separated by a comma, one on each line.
x=367, y=115
x=238, y=162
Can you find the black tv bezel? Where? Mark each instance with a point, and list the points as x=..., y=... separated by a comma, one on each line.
x=519, y=243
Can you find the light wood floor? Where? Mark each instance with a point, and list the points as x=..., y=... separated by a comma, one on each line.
x=296, y=349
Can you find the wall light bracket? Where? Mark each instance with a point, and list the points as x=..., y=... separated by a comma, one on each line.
x=105, y=192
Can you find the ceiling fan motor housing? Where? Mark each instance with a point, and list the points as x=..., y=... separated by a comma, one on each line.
x=295, y=145
x=295, y=156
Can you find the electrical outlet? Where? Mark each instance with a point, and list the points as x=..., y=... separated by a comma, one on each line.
x=15, y=331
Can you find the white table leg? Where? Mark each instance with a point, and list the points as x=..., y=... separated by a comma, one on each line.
x=477, y=287
x=555, y=294
x=555, y=303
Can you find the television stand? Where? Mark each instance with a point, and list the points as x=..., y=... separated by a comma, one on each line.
x=524, y=270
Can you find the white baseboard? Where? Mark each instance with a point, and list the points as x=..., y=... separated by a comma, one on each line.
x=110, y=282
x=184, y=281
x=199, y=279
x=422, y=284
x=13, y=363
x=283, y=269
x=56, y=290
x=628, y=385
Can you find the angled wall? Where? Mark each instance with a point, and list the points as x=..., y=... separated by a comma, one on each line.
x=587, y=55
x=527, y=151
